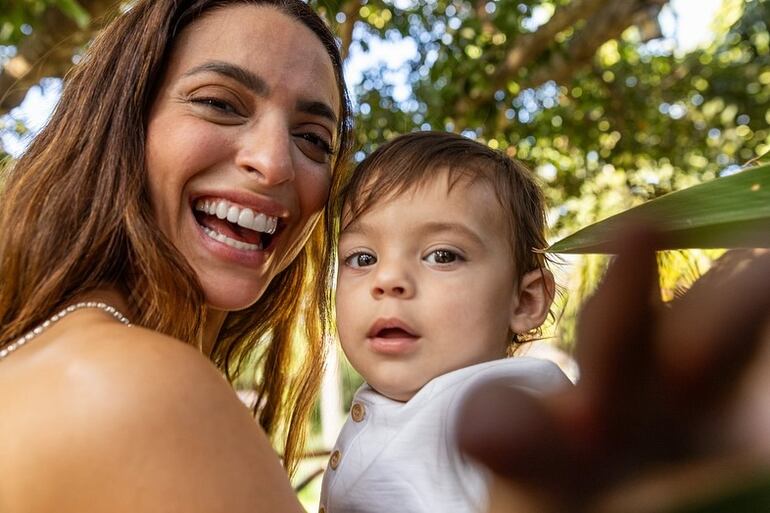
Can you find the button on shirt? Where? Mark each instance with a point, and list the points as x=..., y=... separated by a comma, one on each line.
x=402, y=456
x=357, y=412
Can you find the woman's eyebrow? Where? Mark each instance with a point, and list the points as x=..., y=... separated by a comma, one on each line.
x=244, y=76
x=317, y=109
x=256, y=84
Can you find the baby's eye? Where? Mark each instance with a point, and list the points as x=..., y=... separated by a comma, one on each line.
x=360, y=259
x=442, y=256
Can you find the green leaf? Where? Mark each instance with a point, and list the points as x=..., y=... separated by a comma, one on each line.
x=75, y=11
x=728, y=212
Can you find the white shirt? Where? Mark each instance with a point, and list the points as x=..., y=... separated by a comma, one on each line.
x=402, y=456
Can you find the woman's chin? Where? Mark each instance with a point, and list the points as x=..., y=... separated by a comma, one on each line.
x=228, y=305
x=232, y=299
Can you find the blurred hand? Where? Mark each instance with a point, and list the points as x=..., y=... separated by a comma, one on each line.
x=660, y=386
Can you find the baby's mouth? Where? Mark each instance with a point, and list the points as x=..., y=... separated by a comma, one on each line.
x=393, y=333
x=235, y=226
x=391, y=329
x=392, y=337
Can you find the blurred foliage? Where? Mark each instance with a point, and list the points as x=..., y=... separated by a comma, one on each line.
x=17, y=18
x=636, y=123
x=20, y=18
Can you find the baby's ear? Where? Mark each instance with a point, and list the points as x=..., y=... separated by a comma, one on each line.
x=534, y=297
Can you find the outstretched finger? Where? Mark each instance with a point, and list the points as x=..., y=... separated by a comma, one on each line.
x=511, y=432
x=712, y=333
x=614, y=328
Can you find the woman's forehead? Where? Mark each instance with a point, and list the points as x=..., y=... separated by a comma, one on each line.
x=266, y=42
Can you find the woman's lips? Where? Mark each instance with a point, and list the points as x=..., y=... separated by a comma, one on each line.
x=233, y=242
x=240, y=227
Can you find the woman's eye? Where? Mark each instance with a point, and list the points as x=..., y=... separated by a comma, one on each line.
x=215, y=104
x=360, y=259
x=442, y=256
x=314, y=146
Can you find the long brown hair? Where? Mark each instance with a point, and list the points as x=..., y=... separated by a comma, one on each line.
x=76, y=215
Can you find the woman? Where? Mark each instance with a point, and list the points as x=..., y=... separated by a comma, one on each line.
x=178, y=188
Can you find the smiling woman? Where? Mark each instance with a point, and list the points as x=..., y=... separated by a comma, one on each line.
x=245, y=117
x=180, y=187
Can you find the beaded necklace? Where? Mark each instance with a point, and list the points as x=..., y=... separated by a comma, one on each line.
x=23, y=340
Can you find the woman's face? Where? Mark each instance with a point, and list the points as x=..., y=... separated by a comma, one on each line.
x=239, y=143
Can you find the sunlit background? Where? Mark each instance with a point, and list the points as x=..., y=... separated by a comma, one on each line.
x=685, y=24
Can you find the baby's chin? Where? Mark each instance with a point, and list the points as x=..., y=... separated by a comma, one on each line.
x=395, y=393
x=401, y=386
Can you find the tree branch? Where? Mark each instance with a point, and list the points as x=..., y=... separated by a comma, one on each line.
x=603, y=26
x=480, y=8
x=530, y=46
x=605, y=20
x=351, y=10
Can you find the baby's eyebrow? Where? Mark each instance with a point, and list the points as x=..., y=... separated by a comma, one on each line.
x=354, y=227
x=441, y=227
x=357, y=227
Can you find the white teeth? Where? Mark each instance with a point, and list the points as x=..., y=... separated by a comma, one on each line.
x=221, y=210
x=244, y=217
x=224, y=239
x=232, y=214
x=260, y=222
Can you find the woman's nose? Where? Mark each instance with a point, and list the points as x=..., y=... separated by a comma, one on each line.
x=265, y=151
x=392, y=281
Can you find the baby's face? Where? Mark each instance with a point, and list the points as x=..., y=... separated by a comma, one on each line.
x=426, y=285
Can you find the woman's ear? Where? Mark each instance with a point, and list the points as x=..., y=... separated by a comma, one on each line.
x=534, y=297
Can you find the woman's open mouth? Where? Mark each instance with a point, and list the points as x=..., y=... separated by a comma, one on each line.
x=235, y=226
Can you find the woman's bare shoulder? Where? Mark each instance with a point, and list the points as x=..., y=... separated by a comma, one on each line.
x=91, y=357
x=119, y=419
